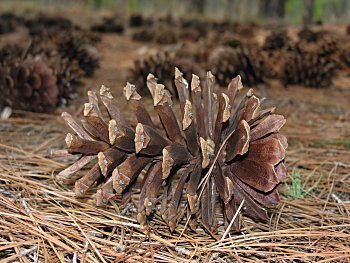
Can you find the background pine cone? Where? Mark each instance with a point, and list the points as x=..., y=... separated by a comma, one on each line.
x=250, y=63
x=345, y=56
x=163, y=66
x=67, y=74
x=278, y=39
x=28, y=85
x=226, y=155
x=9, y=22
x=109, y=25
x=79, y=48
x=143, y=34
x=308, y=69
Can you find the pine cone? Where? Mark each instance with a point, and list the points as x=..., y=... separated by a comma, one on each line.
x=328, y=47
x=308, y=35
x=308, y=69
x=137, y=20
x=28, y=85
x=144, y=34
x=165, y=36
x=9, y=52
x=9, y=22
x=163, y=66
x=231, y=40
x=109, y=25
x=44, y=27
x=345, y=56
x=247, y=62
x=79, y=48
x=225, y=154
x=69, y=75
x=277, y=40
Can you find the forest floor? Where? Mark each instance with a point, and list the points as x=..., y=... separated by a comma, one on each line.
x=40, y=219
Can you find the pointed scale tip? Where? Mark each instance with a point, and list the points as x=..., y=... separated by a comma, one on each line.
x=104, y=91
x=103, y=163
x=210, y=76
x=139, y=138
x=91, y=93
x=69, y=139
x=188, y=115
x=88, y=109
x=238, y=80
x=112, y=131
x=195, y=83
x=159, y=95
x=130, y=92
x=227, y=110
x=178, y=73
x=150, y=76
x=250, y=93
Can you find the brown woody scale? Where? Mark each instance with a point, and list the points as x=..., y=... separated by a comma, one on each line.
x=220, y=154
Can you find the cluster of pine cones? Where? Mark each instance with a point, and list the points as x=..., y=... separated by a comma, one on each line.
x=312, y=60
x=46, y=70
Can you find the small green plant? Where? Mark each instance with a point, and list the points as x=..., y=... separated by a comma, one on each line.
x=297, y=187
x=346, y=143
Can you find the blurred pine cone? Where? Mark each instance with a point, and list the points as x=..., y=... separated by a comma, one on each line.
x=109, y=25
x=277, y=40
x=79, y=48
x=28, y=85
x=345, y=55
x=250, y=63
x=9, y=22
x=144, y=34
x=69, y=78
x=163, y=66
x=138, y=20
x=45, y=27
x=308, y=35
x=308, y=69
x=225, y=156
x=347, y=30
x=10, y=51
x=165, y=35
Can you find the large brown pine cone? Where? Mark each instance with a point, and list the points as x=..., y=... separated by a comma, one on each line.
x=163, y=66
x=250, y=63
x=308, y=69
x=221, y=155
x=28, y=85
